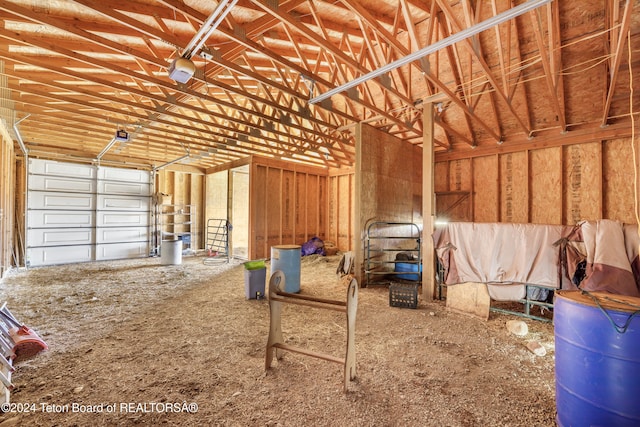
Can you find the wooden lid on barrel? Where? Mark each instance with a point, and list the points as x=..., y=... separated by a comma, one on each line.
x=606, y=300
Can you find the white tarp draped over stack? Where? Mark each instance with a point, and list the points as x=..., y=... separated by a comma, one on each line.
x=612, y=256
x=510, y=254
x=499, y=252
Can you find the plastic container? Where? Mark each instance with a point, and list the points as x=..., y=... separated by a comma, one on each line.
x=286, y=258
x=408, y=267
x=171, y=252
x=597, y=361
x=404, y=295
x=255, y=277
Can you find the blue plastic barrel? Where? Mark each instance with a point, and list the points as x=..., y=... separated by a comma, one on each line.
x=597, y=340
x=286, y=258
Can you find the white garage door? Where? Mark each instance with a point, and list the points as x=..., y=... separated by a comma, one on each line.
x=79, y=213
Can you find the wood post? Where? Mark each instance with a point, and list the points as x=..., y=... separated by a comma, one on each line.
x=428, y=205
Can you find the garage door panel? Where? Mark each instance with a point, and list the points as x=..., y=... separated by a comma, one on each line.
x=59, y=255
x=122, y=250
x=56, y=218
x=79, y=213
x=135, y=189
x=117, y=219
x=66, y=201
x=57, y=237
x=123, y=203
x=123, y=234
x=126, y=175
x=55, y=183
x=51, y=167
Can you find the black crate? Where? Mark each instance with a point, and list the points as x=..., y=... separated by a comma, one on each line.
x=403, y=295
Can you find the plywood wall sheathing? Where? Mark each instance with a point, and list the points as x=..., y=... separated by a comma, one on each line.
x=239, y=211
x=286, y=200
x=275, y=198
x=441, y=177
x=257, y=217
x=617, y=190
x=486, y=191
x=582, y=182
x=514, y=187
x=340, y=211
x=217, y=185
x=552, y=185
x=384, y=184
x=545, y=189
x=289, y=198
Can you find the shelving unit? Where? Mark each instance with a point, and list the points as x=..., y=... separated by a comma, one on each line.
x=176, y=222
x=217, y=240
x=390, y=238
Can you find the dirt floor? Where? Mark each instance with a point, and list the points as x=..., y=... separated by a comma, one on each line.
x=135, y=342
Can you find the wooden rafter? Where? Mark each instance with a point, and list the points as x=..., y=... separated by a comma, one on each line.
x=617, y=58
x=103, y=63
x=485, y=67
x=548, y=72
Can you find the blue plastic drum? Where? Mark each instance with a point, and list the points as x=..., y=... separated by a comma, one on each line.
x=597, y=339
x=286, y=258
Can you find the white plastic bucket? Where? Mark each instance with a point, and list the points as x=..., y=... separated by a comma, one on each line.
x=171, y=252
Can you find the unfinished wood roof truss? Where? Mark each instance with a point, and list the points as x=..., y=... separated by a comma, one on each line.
x=78, y=70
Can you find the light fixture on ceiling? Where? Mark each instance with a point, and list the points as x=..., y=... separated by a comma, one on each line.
x=432, y=48
x=183, y=68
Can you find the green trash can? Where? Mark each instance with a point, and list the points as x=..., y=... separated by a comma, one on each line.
x=255, y=277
